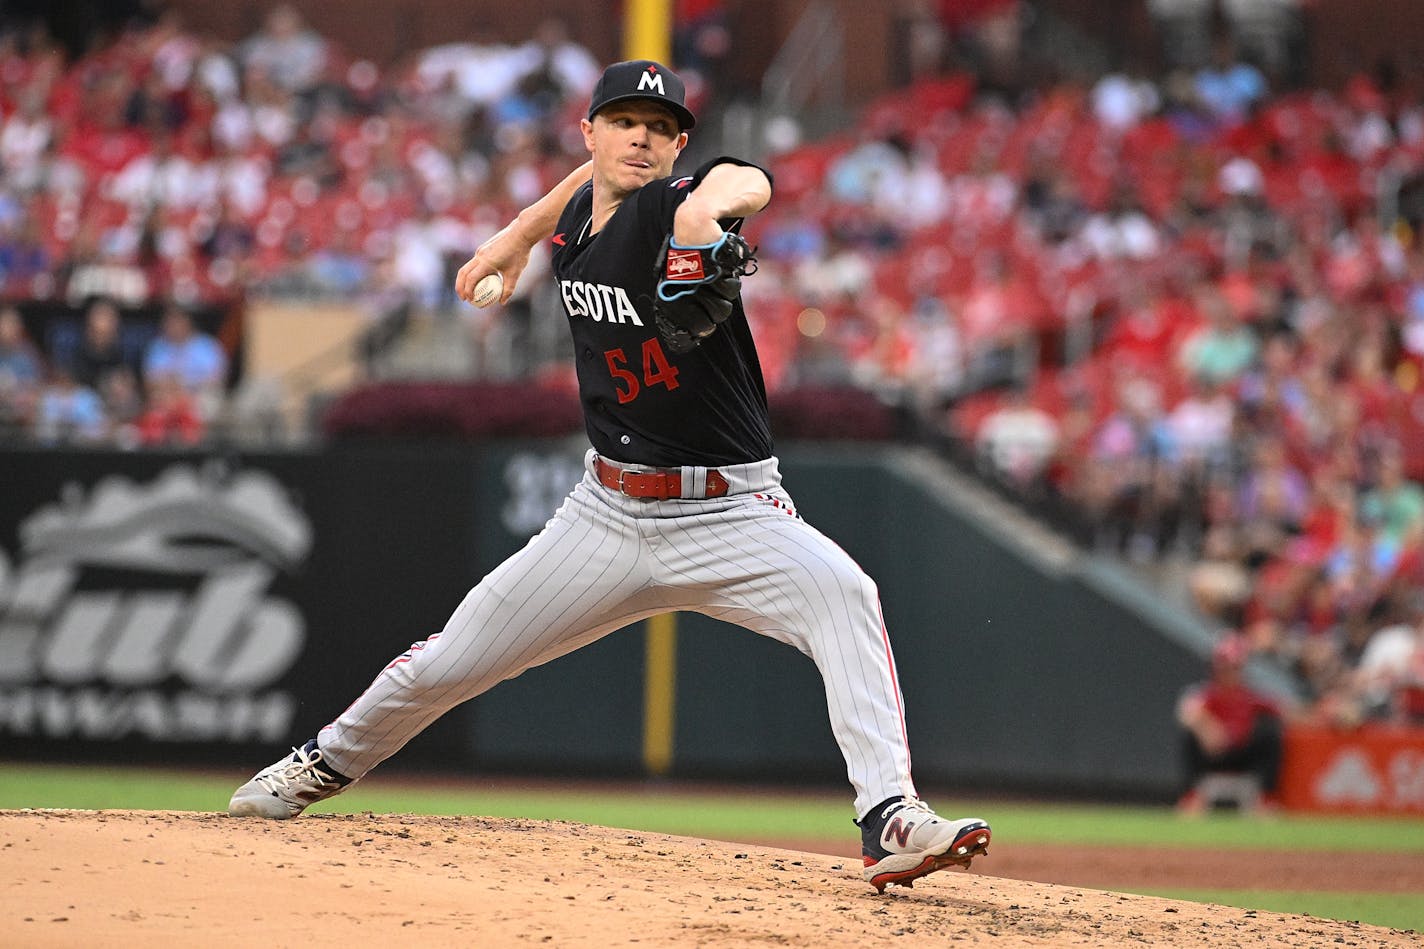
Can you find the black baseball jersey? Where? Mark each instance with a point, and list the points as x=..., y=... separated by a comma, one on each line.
x=642, y=403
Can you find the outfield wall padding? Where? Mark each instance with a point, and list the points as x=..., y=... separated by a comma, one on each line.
x=217, y=608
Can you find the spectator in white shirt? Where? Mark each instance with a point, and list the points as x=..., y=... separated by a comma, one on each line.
x=288, y=51
x=1018, y=439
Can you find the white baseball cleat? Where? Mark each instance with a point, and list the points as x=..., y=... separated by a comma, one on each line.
x=285, y=789
x=902, y=840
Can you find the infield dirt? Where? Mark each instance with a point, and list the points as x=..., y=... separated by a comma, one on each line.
x=146, y=878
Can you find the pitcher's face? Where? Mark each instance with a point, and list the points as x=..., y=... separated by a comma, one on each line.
x=632, y=143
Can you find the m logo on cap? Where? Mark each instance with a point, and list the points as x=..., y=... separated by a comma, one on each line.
x=642, y=79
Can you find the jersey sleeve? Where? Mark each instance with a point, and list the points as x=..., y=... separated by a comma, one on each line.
x=571, y=219
x=665, y=195
x=580, y=205
x=707, y=166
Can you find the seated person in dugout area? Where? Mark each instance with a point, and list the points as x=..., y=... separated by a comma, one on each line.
x=681, y=505
x=1229, y=728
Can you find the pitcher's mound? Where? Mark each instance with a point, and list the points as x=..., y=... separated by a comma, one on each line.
x=157, y=878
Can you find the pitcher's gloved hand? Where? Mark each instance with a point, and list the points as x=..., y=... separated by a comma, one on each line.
x=697, y=286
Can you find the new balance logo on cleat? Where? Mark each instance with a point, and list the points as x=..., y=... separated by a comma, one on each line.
x=903, y=840
x=900, y=831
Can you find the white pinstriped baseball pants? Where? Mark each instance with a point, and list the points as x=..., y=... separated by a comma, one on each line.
x=604, y=561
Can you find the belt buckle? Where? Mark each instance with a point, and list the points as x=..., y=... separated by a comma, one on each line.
x=662, y=493
x=623, y=488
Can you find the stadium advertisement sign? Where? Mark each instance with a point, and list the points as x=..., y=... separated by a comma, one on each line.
x=145, y=608
x=224, y=605
x=1376, y=769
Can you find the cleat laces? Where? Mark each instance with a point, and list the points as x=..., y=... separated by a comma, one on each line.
x=301, y=769
x=908, y=805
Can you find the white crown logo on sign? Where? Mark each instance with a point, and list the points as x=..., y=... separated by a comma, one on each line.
x=1350, y=778
x=651, y=80
x=144, y=610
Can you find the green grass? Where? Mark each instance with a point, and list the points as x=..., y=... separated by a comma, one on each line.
x=783, y=816
x=745, y=815
x=1399, y=910
x=1160, y=826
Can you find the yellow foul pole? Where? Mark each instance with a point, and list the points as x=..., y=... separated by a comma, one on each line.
x=647, y=34
x=647, y=30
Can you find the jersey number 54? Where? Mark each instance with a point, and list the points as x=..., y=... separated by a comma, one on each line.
x=656, y=370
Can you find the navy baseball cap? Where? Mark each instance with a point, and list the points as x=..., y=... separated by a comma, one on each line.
x=642, y=79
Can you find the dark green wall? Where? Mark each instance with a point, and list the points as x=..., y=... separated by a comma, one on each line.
x=1012, y=678
x=1015, y=676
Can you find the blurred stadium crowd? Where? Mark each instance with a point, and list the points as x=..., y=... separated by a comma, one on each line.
x=164, y=172
x=1186, y=310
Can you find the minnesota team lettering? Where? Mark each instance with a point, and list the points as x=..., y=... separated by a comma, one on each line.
x=599, y=302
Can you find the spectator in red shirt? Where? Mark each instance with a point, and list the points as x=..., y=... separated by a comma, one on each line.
x=171, y=417
x=1228, y=727
x=1144, y=334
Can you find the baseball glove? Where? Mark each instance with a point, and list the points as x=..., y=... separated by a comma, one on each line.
x=697, y=286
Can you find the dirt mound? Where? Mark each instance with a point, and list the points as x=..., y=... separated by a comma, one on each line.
x=126, y=878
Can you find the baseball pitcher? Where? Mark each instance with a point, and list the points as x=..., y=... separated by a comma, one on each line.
x=681, y=506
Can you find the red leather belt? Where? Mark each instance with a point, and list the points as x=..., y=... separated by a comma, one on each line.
x=660, y=483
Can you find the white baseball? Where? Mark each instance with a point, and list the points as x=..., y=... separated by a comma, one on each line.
x=488, y=290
